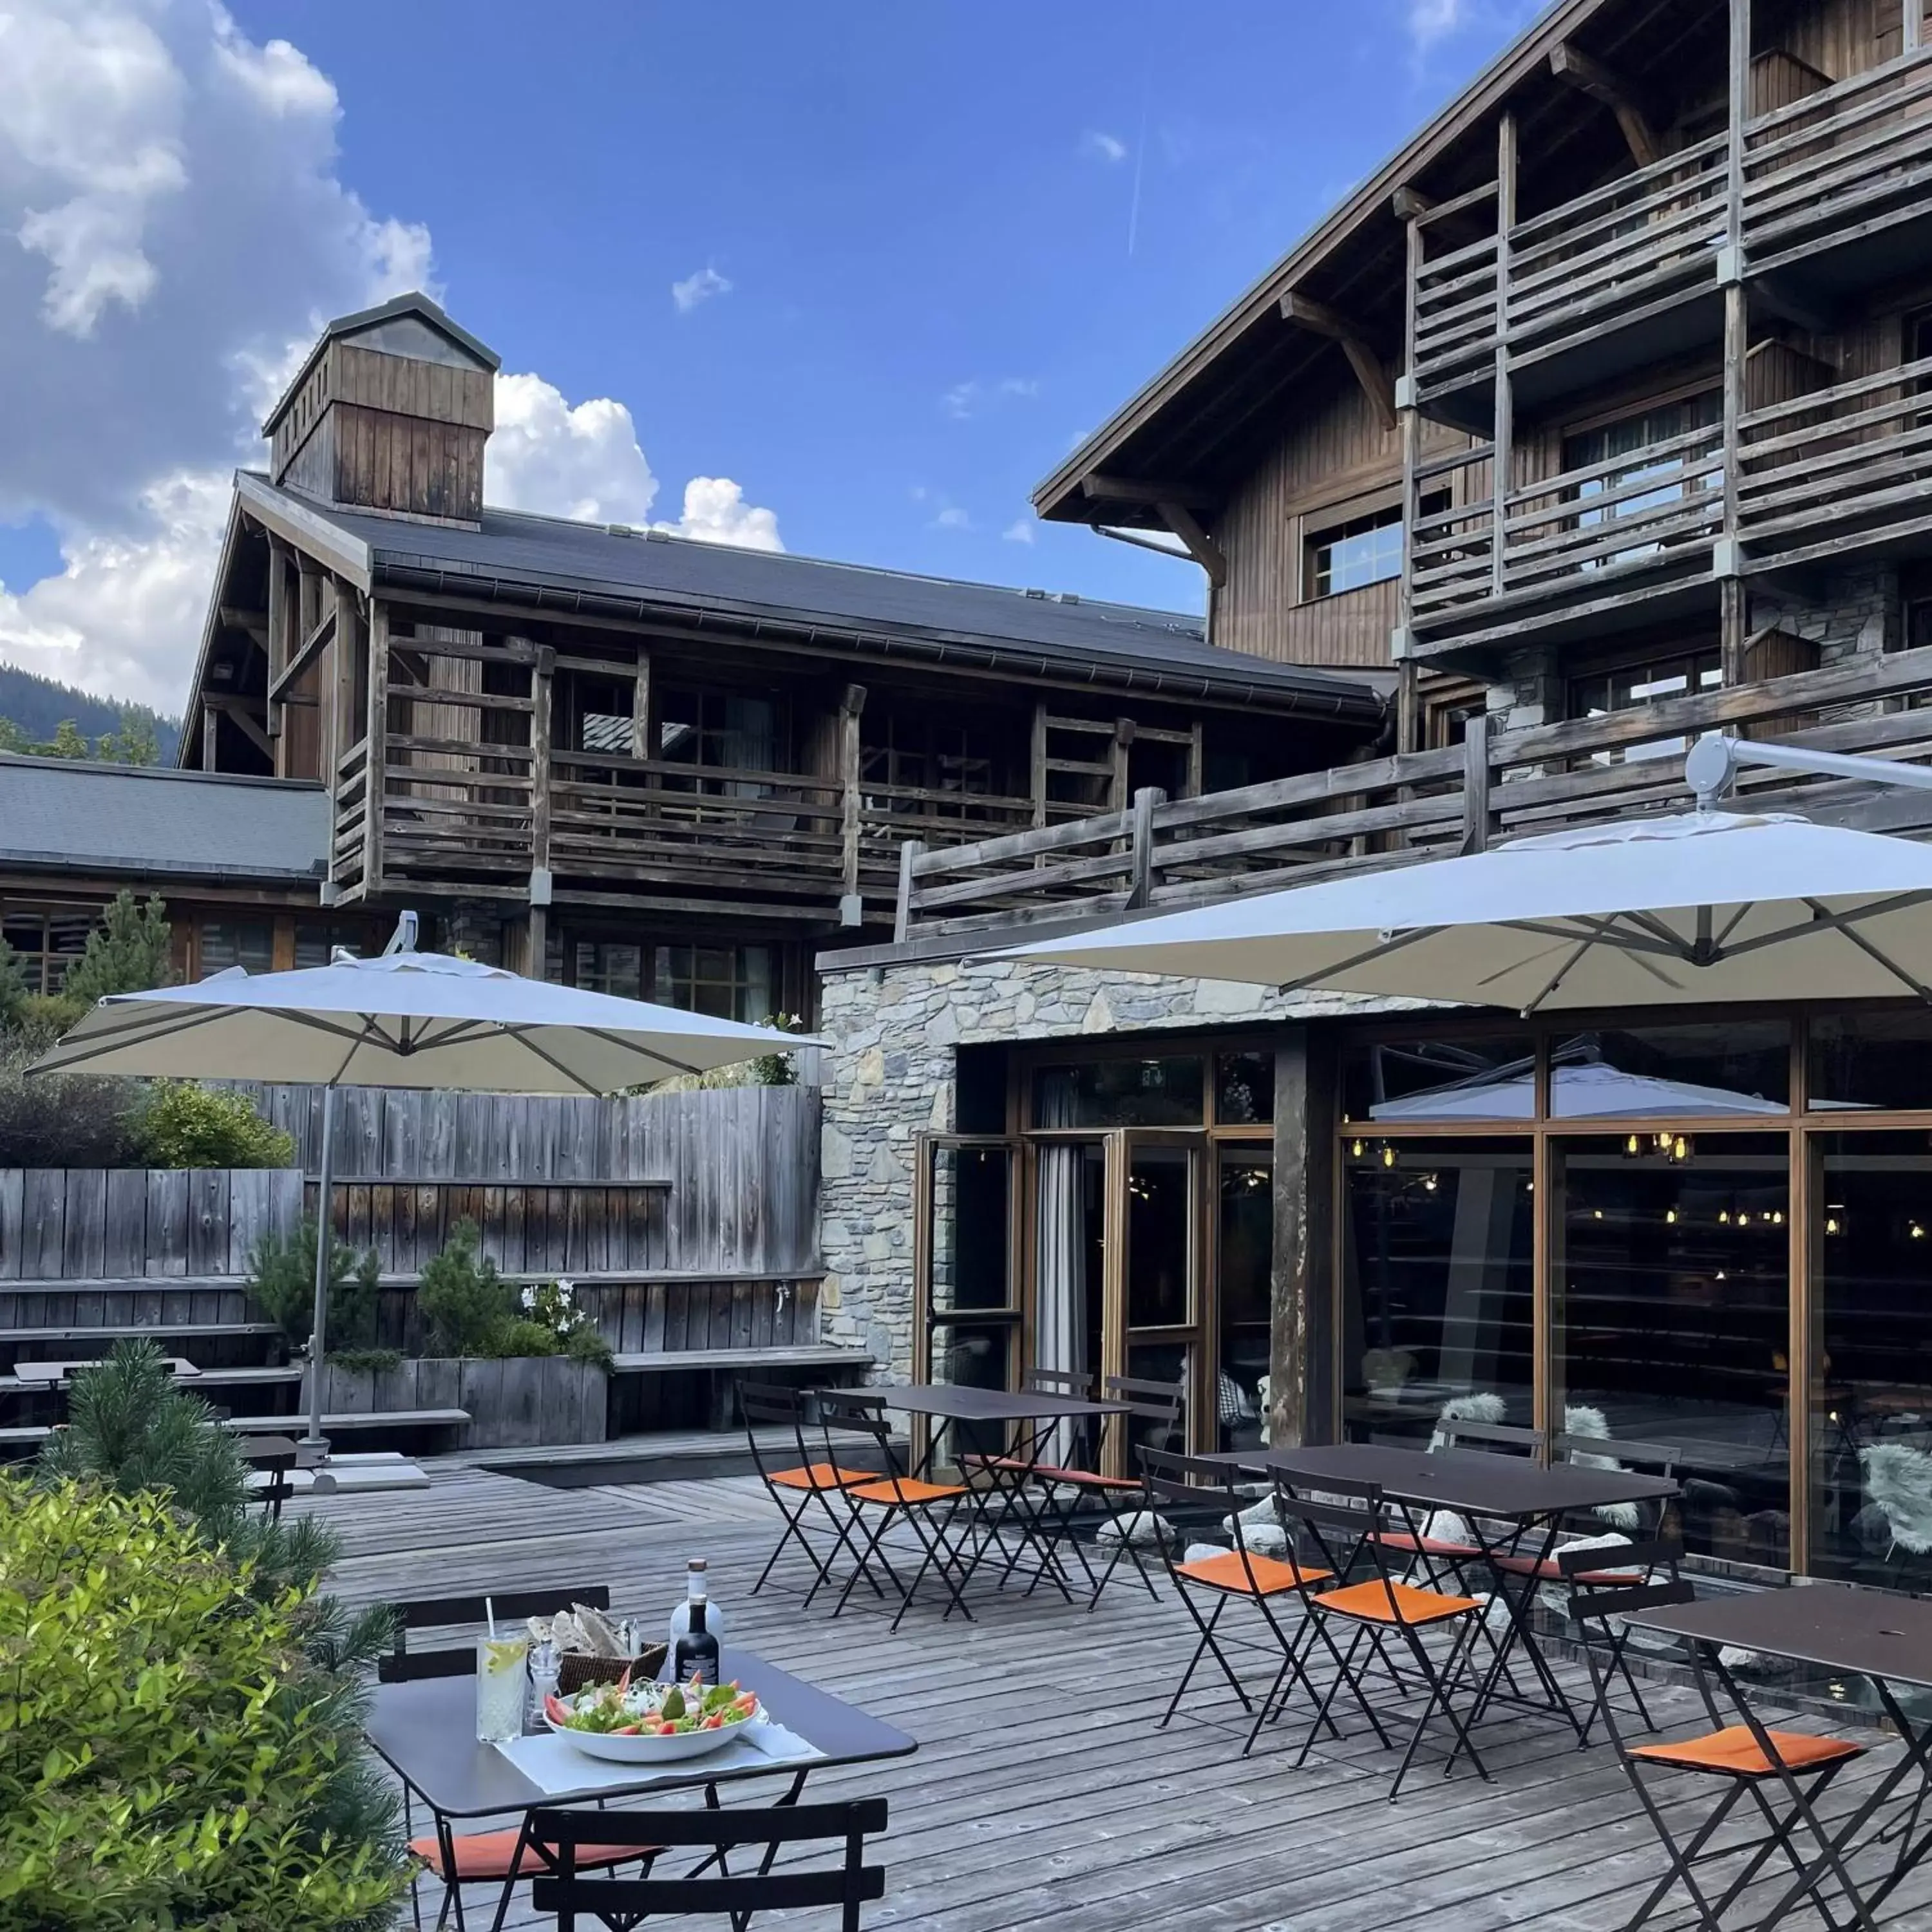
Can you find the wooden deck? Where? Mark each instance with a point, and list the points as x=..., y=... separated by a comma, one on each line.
x=1042, y=1787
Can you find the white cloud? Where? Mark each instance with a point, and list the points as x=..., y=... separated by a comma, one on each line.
x=1431, y=21
x=1103, y=147
x=968, y=398
x=716, y=511
x=1019, y=531
x=697, y=288
x=1025, y=386
x=182, y=233
x=952, y=518
x=961, y=400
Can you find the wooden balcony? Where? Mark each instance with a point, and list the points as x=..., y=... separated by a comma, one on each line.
x=1839, y=470
x=1396, y=811
x=1625, y=275
x=1837, y=186
x=1580, y=540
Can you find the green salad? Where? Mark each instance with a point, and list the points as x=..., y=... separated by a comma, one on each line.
x=651, y=1710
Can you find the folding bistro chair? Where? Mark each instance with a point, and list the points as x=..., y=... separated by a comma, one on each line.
x=1384, y=1609
x=1591, y=1573
x=1190, y=1492
x=840, y=1830
x=929, y=1509
x=1159, y=1406
x=1744, y=1759
x=1445, y=1559
x=500, y=1857
x=801, y=1489
x=1652, y=1459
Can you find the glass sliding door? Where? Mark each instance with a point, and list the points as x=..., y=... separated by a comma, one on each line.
x=1158, y=1290
x=1243, y=1273
x=1671, y=1319
x=1438, y=1311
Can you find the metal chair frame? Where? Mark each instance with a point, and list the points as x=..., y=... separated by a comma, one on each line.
x=770, y=1404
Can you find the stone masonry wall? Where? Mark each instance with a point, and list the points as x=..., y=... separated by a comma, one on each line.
x=890, y=1075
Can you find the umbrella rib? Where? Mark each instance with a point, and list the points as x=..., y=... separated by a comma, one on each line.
x=1823, y=920
x=1866, y=946
x=1557, y=978
x=618, y=1040
x=523, y=1034
x=1380, y=951
x=112, y=1041
x=1731, y=924
x=1623, y=943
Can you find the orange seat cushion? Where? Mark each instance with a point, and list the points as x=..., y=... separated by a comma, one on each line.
x=822, y=1476
x=1249, y=1575
x=1045, y=1472
x=1430, y=1546
x=1394, y=1603
x=1546, y=1571
x=1735, y=1751
x=904, y=1489
x=488, y=1855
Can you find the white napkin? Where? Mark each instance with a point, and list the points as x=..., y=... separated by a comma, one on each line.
x=774, y=1741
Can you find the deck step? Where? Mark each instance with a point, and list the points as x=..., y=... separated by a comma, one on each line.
x=376, y=1418
x=799, y=1355
x=152, y=1331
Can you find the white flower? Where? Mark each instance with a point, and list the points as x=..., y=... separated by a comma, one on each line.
x=529, y=1299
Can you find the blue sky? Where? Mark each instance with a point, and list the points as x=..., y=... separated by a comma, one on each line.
x=906, y=200
x=925, y=248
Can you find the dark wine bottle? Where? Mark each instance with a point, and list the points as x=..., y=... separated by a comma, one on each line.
x=696, y=1653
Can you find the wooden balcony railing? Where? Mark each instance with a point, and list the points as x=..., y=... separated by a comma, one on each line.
x=1839, y=166
x=1396, y=810
x=1622, y=251
x=1656, y=510
x=1846, y=464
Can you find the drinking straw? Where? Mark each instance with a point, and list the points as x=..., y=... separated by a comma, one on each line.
x=490, y=1611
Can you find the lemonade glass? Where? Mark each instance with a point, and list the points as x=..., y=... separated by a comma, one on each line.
x=501, y=1676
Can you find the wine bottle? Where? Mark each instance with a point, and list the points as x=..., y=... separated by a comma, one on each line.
x=696, y=1654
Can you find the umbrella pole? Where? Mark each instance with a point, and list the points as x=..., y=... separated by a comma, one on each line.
x=315, y=1442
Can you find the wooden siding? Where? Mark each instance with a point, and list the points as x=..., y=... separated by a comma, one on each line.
x=1838, y=38
x=1337, y=460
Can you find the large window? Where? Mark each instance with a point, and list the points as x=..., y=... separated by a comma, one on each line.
x=1676, y=475
x=1677, y=673
x=246, y=943
x=1362, y=550
x=730, y=982
x=46, y=941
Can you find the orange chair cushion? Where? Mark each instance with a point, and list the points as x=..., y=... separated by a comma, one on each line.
x=1045, y=1472
x=822, y=1476
x=1430, y=1546
x=1395, y=1603
x=488, y=1854
x=1249, y=1576
x=1735, y=1751
x=904, y=1489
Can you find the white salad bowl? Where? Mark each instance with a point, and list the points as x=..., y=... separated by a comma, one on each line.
x=644, y=1748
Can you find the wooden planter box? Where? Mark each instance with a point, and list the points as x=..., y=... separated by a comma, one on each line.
x=523, y=1400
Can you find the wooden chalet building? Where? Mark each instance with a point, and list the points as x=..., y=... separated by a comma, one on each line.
x=655, y=767
x=1597, y=417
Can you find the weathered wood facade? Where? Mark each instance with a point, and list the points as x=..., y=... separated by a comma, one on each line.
x=621, y=760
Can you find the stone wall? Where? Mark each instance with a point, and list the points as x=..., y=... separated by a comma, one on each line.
x=891, y=1075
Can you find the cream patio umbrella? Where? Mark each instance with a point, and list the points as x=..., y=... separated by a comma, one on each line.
x=405, y=1018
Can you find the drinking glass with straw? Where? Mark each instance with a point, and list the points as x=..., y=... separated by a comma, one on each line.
x=501, y=1666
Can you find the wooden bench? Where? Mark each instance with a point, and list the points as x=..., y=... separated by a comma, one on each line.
x=31, y=1434
x=799, y=1355
x=112, y=1331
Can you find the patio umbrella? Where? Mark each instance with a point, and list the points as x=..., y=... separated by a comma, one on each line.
x=1704, y=906
x=1592, y=1092
x=404, y=1019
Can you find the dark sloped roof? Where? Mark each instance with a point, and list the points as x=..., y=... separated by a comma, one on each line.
x=551, y=561
x=64, y=813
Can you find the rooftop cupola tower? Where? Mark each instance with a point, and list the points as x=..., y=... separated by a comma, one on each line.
x=389, y=414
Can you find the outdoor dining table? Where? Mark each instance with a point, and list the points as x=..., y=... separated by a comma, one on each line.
x=1850, y=1633
x=425, y=1731
x=1527, y=1499
x=1027, y=1419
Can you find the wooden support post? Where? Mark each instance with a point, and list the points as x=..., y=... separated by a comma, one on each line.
x=1732, y=613
x=1038, y=781
x=375, y=755
x=1476, y=785
x=210, y=718
x=345, y=648
x=1911, y=26
x=1408, y=717
x=1197, y=756
x=1140, y=890
x=543, y=679
x=1740, y=60
x=644, y=737
x=1503, y=441
x=1301, y=1324
x=851, y=708
x=902, y=915
x=278, y=630
x=1117, y=796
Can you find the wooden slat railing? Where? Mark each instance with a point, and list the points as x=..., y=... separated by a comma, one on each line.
x=1840, y=164
x=1395, y=811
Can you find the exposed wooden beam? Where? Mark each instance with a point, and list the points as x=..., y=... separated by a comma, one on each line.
x=1410, y=204
x=1205, y=550
x=1129, y=490
x=236, y=709
x=253, y=625
x=313, y=646
x=1323, y=320
x=209, y=736
x=1592, y=77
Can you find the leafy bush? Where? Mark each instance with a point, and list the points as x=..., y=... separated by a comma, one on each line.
x=584, y=1344
x=191, y=1764
x=551, y=1306
x=13, y=986
x=463, y=1299
x=514, y=1338
x=779, y=1070
x=181, y=1125
x=130, y=951
x=367, y=1361
x=281, y=1282
x=65, y=1119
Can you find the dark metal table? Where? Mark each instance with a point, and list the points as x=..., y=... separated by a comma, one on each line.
x=1029, y=1418
x=425, y=1733
x=1887, y=1641
x=1482, y=1489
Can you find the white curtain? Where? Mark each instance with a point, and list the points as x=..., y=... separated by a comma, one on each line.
x=1060, y=1324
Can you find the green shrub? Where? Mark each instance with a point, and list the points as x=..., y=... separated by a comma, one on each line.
x=62, y=1120
x=130, y=951
x=182, y=1125
x=281, y=1283
x=12, y=987
x=515, y=1338
x=463, y=1299
x=191, y=1764
x=584, y=1344
x=367, y=1361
